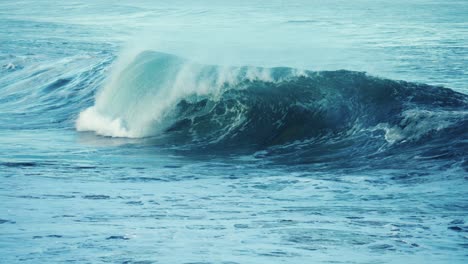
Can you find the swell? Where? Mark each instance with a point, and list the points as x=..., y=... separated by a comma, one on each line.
x=43, y=92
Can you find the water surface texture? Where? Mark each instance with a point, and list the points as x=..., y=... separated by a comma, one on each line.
x=234, y=131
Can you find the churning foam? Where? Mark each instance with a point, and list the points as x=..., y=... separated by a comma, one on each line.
x=91, y=120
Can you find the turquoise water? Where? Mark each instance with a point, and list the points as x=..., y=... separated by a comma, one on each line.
x=246, y=132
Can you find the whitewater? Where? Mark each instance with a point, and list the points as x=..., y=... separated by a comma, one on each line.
x=234, y=132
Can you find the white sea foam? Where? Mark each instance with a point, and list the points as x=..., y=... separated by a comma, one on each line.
x=92, y=120
x=417, y=123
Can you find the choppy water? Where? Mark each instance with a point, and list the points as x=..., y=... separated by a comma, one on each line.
x=247, y=132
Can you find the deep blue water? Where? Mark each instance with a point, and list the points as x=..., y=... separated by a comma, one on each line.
x=246, y=132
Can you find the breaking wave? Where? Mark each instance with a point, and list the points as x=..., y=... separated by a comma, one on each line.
x=171, y=100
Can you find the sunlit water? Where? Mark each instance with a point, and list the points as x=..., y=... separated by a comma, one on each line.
x=390, y=190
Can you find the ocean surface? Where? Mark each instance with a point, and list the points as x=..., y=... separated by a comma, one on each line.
x=234, y=131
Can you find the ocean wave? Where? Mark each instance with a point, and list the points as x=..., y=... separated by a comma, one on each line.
x=175, y=101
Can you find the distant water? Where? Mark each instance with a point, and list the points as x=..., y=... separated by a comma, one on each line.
x=244, y=132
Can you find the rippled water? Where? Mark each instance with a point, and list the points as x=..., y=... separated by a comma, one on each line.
x=357, y=169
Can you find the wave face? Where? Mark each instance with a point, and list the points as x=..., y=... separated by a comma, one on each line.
x=175, y=101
